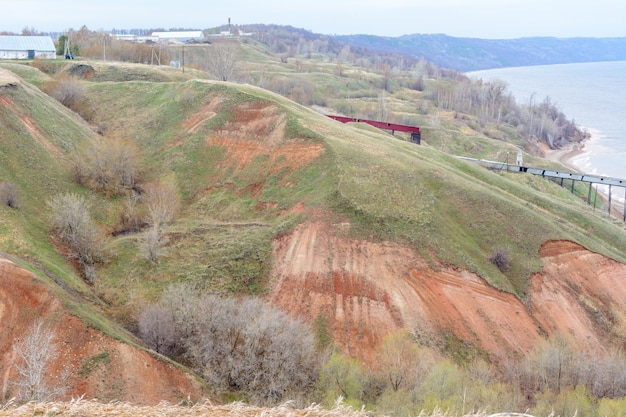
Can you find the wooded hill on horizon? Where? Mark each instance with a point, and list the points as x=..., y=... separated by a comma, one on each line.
x=473, y=54
x=461, y=54
x=212, y=234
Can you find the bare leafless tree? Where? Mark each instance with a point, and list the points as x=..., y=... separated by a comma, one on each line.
x=162, y=203
x=246, y=345
x=152, y=242
x=112, y=165
x=72, y=224
x=157, y=329
x=33, y=356
x=222, y=59
x=181, y=300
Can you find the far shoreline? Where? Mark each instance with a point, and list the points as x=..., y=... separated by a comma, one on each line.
x=565, y=156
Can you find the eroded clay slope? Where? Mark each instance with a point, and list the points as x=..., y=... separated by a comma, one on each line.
x=366, y=290
x=126, y=373
x=580, y=293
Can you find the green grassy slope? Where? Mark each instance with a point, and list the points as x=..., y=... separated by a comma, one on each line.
x=450, y=211
x=37, y=138
x=456, y=212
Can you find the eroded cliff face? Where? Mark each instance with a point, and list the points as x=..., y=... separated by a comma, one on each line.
x=580, y=293
x=366, y=290
x=123, y=372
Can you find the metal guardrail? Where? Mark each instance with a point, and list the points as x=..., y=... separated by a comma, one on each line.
x=563, y=175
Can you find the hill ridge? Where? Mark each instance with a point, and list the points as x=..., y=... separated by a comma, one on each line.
x=472, y=54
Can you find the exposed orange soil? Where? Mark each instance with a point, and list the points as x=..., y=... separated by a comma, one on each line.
x=367, y=290
x=364, y=289
x=580, y=293
x=131, y=374
x=258, y=131
x=256, y=135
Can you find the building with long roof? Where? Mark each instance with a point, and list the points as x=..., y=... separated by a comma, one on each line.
x=27, y=47
x=181, y=36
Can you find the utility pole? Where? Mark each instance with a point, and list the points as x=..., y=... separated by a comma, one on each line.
x=183, y=58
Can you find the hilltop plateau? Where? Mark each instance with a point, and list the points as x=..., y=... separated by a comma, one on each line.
x=244, y=190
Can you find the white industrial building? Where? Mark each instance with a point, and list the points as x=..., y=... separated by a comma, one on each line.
x=27, y=47
x=183, y=36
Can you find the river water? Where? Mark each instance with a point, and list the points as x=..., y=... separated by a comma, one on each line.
x=593, y=94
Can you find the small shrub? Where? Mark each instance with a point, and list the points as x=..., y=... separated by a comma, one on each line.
x=44, y=65
x=111, y=165
x=72, y=224
x=69, y=92
x=9, y=195
x=501, y=259
x=162, y=203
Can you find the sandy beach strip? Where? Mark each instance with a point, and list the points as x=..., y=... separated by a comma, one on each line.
x=565, y=156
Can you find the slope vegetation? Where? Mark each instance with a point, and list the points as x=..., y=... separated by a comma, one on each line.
x=341, y=222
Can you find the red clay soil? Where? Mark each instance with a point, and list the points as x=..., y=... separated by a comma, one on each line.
x=367, y=290
x=130, y=374
x=258, y=131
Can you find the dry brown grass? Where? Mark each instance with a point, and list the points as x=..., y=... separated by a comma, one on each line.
x=8, y=79
x=84, y=408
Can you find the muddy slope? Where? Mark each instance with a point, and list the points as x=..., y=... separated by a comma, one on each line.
x=366, y=290
x=122, y=372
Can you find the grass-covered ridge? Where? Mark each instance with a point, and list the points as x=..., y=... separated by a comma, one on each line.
x=450, y=211
x=196, y=133
x=458, y=212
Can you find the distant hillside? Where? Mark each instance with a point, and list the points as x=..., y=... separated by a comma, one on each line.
x=470, y=54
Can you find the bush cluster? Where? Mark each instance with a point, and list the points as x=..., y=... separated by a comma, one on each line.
x=69, y=92
x=110, y=165
x=408, y=379
x=71, y=222
x=238, y=345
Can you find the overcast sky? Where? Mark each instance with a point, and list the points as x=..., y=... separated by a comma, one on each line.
x=493, y=19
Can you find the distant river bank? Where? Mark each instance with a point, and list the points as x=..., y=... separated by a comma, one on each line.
x=593, y=94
